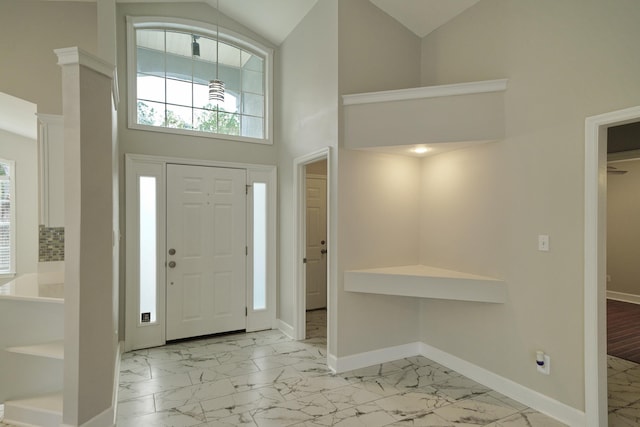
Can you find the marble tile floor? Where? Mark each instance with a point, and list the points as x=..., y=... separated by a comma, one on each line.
x=266, y=379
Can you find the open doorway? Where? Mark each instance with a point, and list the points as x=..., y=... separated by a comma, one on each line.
x=623, y=272
x=313, y=247
x=595, y=261
x=316, y=250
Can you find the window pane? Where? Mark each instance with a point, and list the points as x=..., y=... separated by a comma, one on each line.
x=150, y=113
x=229, y=55
x=252, y=82
x=172, y=83
x=179, y=117
x=252, y=127
x=253, y=105
x=148, y=249
x=231, y=78
x=259, y=245
x=151, y=62
x=179, y=92
x=150, y=88
x=201, y=95
x=206, y=120
x=203, y=71
x=252, y=62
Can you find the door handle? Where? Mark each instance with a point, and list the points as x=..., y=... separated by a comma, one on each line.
x=323, y=251
x=172, y=264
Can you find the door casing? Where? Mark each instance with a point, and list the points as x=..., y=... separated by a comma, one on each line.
x=139, y=335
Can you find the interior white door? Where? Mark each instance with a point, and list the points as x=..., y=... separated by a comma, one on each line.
x=206, y=244
x=316, y=253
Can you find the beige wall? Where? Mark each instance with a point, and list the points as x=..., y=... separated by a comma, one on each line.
x=307, y=107
x=379, y=227
x=623, y=228
x=565, y=61
x=378, y=207
x=376, y=52
x=30, y=30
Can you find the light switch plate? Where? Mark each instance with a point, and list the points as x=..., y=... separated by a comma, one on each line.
x=543, y=242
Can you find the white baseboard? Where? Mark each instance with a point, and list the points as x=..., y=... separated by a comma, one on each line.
x=332, y=362
x=518, y=392
x=286, y=329
x=375, y=357
x=621, y=296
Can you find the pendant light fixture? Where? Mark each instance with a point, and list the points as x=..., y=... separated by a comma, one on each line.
x=195, y=46
x=216, y=86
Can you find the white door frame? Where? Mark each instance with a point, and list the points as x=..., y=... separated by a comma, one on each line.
x=299, y=203
x=154, y=334
x=595, y=261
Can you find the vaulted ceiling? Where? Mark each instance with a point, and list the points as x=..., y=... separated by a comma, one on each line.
x=275, y=19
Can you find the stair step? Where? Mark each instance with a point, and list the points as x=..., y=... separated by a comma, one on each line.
x=51, y=350
x=42, y=411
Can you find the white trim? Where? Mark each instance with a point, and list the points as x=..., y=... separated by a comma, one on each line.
x=263, y=318
x=426, y=92
x=376, y=357
x=299, y=218
x=210, y=30
x=595, y=261
x=139, y=162
x=621, y=296
x=286, y=329
x=116, y=380
x=47, y=124
x=518, y=392
x=332, y=362
x=75, y=55
x=13, y=209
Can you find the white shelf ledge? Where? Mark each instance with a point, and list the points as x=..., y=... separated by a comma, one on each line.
x=43, y=411
x=426, y=282
x=51, y=350
x=469, y=88
x=467, y=112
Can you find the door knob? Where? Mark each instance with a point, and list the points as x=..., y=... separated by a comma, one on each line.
x=172, y=251
x=172, y=264
x=323, y=251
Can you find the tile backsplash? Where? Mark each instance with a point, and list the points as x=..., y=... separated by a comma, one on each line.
x=51, y=244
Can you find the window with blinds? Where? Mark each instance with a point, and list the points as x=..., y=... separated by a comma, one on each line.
x=7, y=217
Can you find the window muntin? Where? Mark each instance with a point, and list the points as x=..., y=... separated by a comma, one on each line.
x=171, y=84
x=7, y=217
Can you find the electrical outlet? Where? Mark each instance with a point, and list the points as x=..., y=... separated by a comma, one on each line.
x=545, y=368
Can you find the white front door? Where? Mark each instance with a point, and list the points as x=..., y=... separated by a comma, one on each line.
x=316, y=254
x=206, y=250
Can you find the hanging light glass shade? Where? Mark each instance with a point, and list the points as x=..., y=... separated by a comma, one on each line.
x=216, y=90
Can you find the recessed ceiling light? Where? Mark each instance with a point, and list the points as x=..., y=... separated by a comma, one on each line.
x=420, y=150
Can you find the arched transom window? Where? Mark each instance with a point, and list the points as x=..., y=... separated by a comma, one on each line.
x=172, y=62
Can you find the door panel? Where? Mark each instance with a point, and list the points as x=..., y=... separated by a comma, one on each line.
x=206, y=227
x=316, y=267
